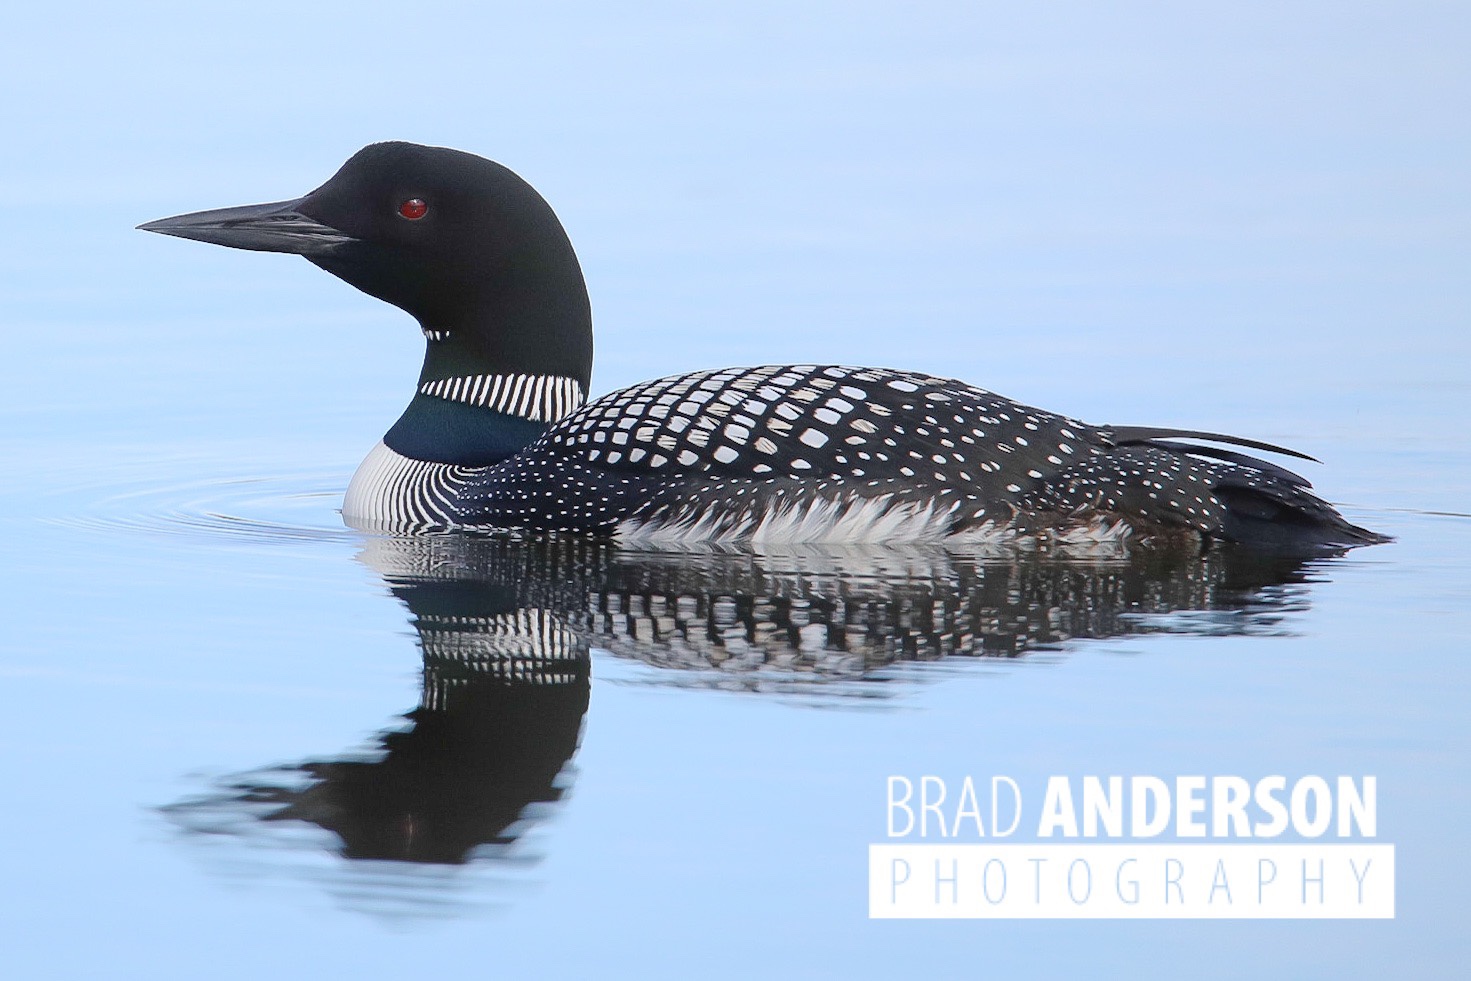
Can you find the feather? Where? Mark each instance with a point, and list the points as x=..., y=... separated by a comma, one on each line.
x=1240, y=459
x=1133, y=435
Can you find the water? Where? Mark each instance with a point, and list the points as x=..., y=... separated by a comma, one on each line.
x=242, y=739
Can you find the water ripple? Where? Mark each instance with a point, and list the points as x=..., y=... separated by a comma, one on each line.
x=277, y=508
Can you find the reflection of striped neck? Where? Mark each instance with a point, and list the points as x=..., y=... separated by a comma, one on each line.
x=528, y=646
x=545, y=398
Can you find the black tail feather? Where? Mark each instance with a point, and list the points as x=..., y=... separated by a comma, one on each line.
x=1300, y=522
x=1167, y=484
x=1240, y=459
x=1133, y=435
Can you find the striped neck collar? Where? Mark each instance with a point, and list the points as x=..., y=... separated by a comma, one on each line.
x=542, y=398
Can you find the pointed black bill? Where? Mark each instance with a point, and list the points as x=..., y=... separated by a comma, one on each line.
x=275, y=227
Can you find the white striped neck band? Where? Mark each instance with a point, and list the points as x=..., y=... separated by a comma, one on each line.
x=544, y=398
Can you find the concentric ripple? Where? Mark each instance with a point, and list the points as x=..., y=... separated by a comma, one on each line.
x=290, y=507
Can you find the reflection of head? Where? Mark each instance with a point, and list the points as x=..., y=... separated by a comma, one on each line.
x=505, y=690
x=459, y=777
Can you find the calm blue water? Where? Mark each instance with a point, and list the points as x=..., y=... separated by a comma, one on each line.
x=240, y=740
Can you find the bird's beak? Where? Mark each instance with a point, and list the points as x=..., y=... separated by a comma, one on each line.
x=276, y=227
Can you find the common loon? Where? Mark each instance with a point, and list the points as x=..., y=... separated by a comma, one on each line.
x=499, y=434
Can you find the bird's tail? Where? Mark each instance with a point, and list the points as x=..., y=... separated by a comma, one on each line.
x=1158, y=481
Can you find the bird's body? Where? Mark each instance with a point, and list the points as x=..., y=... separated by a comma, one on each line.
x=498, y=435
x=802, y=453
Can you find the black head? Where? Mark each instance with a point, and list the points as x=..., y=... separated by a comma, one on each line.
x=469, y=249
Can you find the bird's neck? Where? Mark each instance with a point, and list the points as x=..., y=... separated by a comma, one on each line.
x=484, y=395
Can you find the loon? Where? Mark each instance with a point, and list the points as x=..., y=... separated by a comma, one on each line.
x=500, y=435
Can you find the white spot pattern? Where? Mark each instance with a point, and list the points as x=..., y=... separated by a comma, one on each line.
x=784, y=452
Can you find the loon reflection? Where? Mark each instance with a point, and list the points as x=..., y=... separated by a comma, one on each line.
x=506, y=628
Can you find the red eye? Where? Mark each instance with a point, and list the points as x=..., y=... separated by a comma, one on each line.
x=413, y=209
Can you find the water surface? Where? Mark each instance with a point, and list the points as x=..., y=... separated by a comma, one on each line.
x=243, y=740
